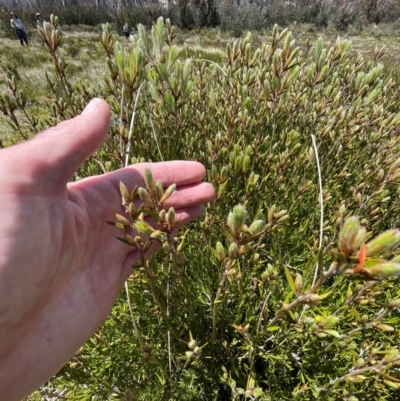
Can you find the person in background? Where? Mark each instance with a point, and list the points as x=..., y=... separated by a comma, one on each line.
x=39, y=20
x=17, y=24
x=126, y=30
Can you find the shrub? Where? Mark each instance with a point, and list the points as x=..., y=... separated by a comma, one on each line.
x=284, y=289
x=244, y=19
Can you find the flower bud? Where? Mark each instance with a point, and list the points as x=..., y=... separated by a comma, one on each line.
x=255, y=258
x=149, y=181
x=162, y=214
x=131, y=208
x=391, y=355
x=145, y=197
x=192, y=344
x=360, y=363
x=394, y=166
x=156, y=234
x=238, y=164
x=384, y=327
x=382, y=270
x=271, y=212
x=280, y=214
x=217, y=140
x=360, y=237
x=244, y=249
x=315, y=299
x=246, y=164
x=298, y=283
x=224, y=173
x=143, y=227
x=124, y=193
x=394, y=304
x=348, y=234
x=159, y=190
x=311, y=154
x=351, y=346
x=236, y=219
x=256, y=226
x=167, y=194
x=380, y=175
x=171, y=216
x=383, y=243
x=220, y=251
x=282, y=219
x=233, y=250
x=123, y=220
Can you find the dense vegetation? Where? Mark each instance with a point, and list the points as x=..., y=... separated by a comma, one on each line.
x=231, y=15
x=272, y=294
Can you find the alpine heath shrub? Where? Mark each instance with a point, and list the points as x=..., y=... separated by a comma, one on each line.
x=286, y=288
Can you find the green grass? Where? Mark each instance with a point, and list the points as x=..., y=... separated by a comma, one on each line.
x=86, y=60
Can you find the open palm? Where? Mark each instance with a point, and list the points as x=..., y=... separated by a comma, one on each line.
x=60, y=267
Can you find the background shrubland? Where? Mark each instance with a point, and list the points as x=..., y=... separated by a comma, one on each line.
x=271, y=294
x=236, y=16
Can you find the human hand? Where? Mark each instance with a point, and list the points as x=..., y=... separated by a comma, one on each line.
x=61, y=267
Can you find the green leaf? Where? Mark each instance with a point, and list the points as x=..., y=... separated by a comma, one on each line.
x=356, y=314
x=333, y=333
x=325, y=295
x=290, y=279
x=273, y=328
x=391, y=384
x=288, y=296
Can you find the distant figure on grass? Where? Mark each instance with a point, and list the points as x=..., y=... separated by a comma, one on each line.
x=39, y=20
x=126, y=30
x=19, y=28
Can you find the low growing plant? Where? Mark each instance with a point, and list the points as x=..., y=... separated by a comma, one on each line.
x=286, y=288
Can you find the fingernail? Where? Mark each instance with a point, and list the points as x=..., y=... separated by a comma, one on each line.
x=91, y=107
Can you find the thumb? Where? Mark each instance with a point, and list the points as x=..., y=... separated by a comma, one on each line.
x=53, y=156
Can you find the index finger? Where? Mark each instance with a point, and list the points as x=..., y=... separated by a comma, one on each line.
x=103, y=191
x=177, y=172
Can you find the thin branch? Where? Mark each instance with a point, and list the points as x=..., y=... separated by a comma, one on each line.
x=318, y=265
x=135, y=326
x=321, y=201
x=127, y=153
x=154, y=133
x=129, y=148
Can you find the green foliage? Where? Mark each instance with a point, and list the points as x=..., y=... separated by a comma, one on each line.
x=278, y=292
x=232, y=16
